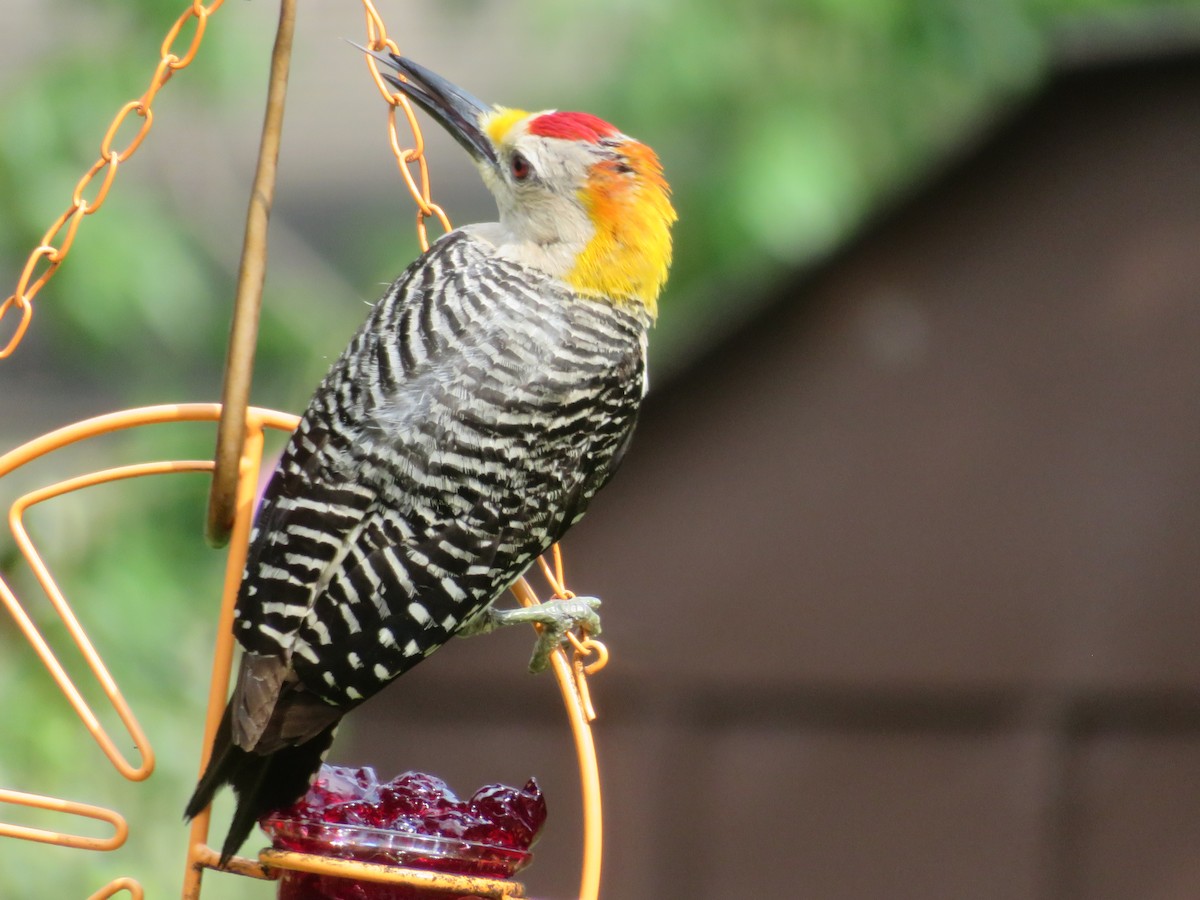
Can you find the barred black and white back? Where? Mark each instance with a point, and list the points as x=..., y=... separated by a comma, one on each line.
x=464, y=429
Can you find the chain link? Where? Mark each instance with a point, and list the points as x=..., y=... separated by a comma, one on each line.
x=46, y=257
x=56, y=243
x=406, y=157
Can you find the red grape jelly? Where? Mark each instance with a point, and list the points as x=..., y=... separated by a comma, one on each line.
x=415, y=821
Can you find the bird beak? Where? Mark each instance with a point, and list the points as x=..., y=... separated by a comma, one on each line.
x=456, y=110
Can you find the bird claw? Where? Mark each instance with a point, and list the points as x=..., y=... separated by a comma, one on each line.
x=562, y=616
x=556, y=618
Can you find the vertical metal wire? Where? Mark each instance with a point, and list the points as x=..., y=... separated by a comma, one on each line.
x=243, y=334
x=200, y=855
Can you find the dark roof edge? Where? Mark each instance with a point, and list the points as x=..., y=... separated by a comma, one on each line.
x=1131, y=40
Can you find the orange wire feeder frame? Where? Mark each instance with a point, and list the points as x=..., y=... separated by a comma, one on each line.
x=230, y=516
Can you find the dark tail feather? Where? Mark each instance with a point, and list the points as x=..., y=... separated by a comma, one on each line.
x=261, y=783
x=215, y=774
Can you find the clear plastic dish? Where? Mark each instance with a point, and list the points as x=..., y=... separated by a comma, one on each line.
x=434, y=853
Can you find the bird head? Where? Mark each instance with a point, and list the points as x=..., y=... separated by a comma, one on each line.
x=577, y=198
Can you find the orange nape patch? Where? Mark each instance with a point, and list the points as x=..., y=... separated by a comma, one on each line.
x=629, y=203
x=498, y=124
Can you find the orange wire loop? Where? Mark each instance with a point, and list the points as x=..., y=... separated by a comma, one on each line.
x=36, y=801
x=115, y=887
x=134, y=734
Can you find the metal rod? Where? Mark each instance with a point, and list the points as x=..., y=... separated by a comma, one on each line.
x=235, y=561
x=585, y=751
x=243, y=333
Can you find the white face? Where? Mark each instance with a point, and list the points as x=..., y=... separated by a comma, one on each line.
x=537, y=188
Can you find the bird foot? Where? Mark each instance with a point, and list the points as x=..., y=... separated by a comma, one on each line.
x=556, y=618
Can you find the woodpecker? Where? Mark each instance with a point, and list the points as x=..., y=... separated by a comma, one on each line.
x=489, y=395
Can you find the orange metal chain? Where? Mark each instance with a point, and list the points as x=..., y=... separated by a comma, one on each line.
x=46, y=257
x=406, y=157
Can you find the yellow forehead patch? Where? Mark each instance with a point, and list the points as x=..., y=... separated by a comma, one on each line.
x=499, y=123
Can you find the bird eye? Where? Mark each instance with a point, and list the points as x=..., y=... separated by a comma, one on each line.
x=520, y=167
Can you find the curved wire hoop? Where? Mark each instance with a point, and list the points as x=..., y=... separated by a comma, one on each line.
x=571, y=674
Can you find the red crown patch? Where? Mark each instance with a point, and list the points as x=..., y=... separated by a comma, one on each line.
x=572, y=126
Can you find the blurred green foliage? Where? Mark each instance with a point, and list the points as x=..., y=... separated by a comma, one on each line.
x=782, y=125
